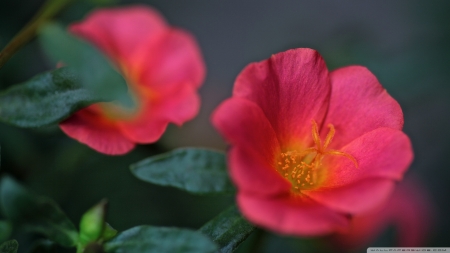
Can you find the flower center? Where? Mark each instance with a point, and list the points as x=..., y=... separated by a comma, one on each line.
x=304, y=168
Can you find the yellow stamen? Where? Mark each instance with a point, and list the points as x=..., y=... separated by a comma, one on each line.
x=330, y=136
x=315, y=134
x=336, y=152
x=303, y=168
x=322, y=150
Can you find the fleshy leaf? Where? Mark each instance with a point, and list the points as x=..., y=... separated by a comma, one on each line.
x=199, y=171
x=45, y=99
x=35, y=213
x=229, y=229
x=94, y=70
x=10, y=246
x=160, y=240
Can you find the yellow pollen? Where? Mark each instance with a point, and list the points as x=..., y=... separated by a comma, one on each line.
x=303, y=168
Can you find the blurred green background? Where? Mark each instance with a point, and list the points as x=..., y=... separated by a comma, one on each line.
x=404, y=43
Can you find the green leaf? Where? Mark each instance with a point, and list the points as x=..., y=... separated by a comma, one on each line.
x=229, y=229
x=199, y=171
x=150, y=239
x=94, y=70
x=9, y=247
x=45, y=99
x=35, y=213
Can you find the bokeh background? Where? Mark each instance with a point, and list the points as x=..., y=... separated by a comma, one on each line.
x=404, y=43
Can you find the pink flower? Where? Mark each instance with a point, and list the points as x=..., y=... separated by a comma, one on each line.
x=162, y=66
x=409, y=210
x=311, y=148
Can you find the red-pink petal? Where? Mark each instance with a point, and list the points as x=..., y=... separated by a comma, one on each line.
x=251, y=159
x=301, y=217
x=359, y=104
x=381, y=153
x=172, y=62
x=120, y=32
x=354, y=198
x=178, y=106
x=242, y=123
x=252, y=175
x=90, y=128
x=292, y=88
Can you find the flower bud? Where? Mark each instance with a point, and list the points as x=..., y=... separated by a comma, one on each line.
x=93, y=222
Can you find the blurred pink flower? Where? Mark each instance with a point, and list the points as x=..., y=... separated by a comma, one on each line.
x=409, y=210
x=163, y=67
x=289, y=179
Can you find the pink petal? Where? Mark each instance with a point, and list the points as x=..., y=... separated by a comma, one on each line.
x=255, y=147
x=172, y=62
x=121, y=32
x=90, y=128
x=252, y=175
x=381, y=153
x=292, y=88
x=177, y=106
x=243, y=124
x=359, y=104
x=287, y=215
x=354, y=198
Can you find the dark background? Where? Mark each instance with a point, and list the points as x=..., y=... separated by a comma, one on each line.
x=404, y=43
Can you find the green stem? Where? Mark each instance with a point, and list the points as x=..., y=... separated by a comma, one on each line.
x=80, y=249
x=47, y=11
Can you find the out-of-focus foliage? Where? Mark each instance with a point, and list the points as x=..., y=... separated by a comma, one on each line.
x=43, y=246
x=102, y=2
x=5, y=230
x=41, y=215
x=159, y=239
x=9, y=247
x=36, y=214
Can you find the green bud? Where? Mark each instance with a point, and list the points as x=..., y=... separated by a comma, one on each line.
x=93, y=222
x=108, y=232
